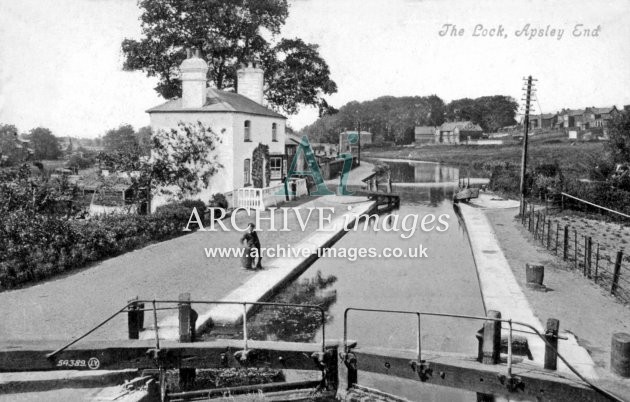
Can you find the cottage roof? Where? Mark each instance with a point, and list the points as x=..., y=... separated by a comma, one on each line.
x=292, y=139
x=426, y=130
x=601, y=110
x=462, y=125
x=573, y=112
x=219, y=101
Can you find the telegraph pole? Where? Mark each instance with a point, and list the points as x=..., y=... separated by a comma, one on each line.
x=524, y=159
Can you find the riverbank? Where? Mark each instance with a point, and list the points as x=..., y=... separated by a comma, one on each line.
x=572, y=157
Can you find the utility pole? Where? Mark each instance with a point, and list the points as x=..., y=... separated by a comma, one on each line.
x=526, y=133
x=359, y=132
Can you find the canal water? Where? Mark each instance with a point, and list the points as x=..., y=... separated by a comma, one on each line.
x=445, y=281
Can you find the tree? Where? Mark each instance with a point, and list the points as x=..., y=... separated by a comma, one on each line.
x=228, y=33
x=44, y=143
x=490, y=112
x=122, y=138
x=619, y=133
x=11, y=150
x=143, y=138
x=182, y=161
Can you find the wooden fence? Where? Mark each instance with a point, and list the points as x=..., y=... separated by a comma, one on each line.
x=608, y=269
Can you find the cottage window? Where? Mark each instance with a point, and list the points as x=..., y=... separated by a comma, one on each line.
x=247, y=131
x=274, y=132
x=275, y=165
x=247, y=172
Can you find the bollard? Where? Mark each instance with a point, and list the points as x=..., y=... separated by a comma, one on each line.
x=185, y=321
x=491, y=339
x=534, y=275
x=135, y=318
x=620, y=354
x=551, y=335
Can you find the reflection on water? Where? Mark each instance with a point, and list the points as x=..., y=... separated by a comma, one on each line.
x=422, y=172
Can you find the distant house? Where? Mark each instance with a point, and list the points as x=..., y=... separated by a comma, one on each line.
x=458, y=132
x=345, y=146
x=543, y=120
x=570, y=118
x=291, y=143
x=424, y=134
x=597, y=117
x=14, y=149
x=241, y=119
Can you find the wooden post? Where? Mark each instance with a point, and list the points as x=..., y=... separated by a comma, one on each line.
x=557, y=234
x=616, y=273
x=584, y=256
x=589, y=253
x=135, y=318
x=620, y=354
x=548, y=234
x=536, y=226
x=562, y=202
x=565, y=253
x=491, y=339
x=551, y=335
x=597, y=263
x=185, y=315
x=522, y=211
x=575, y=252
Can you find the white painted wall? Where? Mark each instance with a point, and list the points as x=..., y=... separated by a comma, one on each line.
x=260, y=127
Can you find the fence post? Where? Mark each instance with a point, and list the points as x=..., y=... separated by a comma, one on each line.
x=135, y=318
x=565, y=253
x=562, y=202
x=575, y=252
x=597, y=263
x=186, y=328
x=523, y=209
x=551, y=334
x=536, y=226
x=557, y=234
x=589, y=252
x=616, y=273
x=548, y=233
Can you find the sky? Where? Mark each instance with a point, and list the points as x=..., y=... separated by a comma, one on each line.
x=60, y=61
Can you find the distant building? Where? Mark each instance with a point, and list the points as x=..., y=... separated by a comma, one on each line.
x=424, y=134
x=543, y=120
x=14, y=149
x=597, y=117
x=345, y=146
x=458, y=132
x=570, y=118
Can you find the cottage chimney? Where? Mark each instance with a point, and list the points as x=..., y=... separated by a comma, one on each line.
x=250, y=82
x=193, y=70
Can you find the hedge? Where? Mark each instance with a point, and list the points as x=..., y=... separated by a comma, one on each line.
x=35, y=247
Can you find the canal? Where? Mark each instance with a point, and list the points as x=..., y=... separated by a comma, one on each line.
x=445, y=281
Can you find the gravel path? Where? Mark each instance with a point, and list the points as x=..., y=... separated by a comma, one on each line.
x=65, y=307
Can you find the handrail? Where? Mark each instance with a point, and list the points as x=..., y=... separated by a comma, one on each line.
x=595, y=205
x=154, y=309
x=510, y=322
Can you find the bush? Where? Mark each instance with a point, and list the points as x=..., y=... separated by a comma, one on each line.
x=37, y=246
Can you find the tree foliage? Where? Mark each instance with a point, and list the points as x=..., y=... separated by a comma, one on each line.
x=228, y=33
x=122, y=138
x=11, y=151
x=619, y=133
x=182, y=161
x=44, y=143
x=392, y=118
x=490, y=112
x=388, y=118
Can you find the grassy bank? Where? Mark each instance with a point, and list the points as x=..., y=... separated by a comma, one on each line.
x=573, y=158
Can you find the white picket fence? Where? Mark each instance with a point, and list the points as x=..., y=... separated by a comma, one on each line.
x=263, y=198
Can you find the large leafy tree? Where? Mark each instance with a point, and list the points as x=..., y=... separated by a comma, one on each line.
x=122, y=138
x=228, y=33
x=44, y=143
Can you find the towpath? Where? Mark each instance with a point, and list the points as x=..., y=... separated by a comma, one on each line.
x=65, y=307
